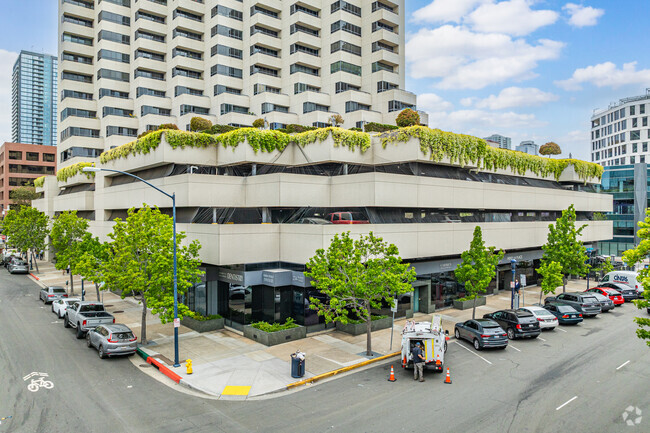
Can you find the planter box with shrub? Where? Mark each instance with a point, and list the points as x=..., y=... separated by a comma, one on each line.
x=466, y=304
x=378, y=322
x=274, y=334
x=207, y=324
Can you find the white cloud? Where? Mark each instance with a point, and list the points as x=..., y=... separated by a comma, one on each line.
x=432, y=103
x=446, y=10
x=7, y=60
x=514, y=17
x=516, y=97
x=582, y=16
x=463, y=59
x=606, y=75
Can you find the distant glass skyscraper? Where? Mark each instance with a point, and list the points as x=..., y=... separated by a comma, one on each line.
x=34, y=96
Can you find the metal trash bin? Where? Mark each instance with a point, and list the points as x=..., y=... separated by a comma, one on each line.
x=297, y=364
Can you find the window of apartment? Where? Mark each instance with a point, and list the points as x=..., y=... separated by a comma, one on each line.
x=149, y=17
x=342, y=86
x=73, y=131
x=149, y=74
x=149, y=55
x=635, y=135
x=186, y=73
x=187, y=53
x=342, y=66
x=399, y=106
x=264, y=50
x=300, y=8
x=77, y=112
x=187, y=34
x=302, y=68
x=347, y=7
x=632, y=110
x=189, y=15
x=645, y=147
x=77, y=58
x=381, y=66
x=125, y=3
x=351, y=106
x=347, y=47
x=121, y=130
x=228, y=71
x=147, y=109
x=76, y=77
x=227, y=51
x=114, y=55
x=182, y=90
x=227, y=12
x=150, y=36
x=188, y=109
x=622, y=112
x=634, y=122
x=144, y=91
x=67, y=37
x=76, y=20
x=15, y=154
x=110, y=74
x=113, y=94
x=31, y=156
x=256, y=69
x=632, y=159
x=303, y=87
x=298, y=28
x=308, y=107
x=379, y=5
x=30, y=169
x=227, y=31
x=83, y=4
x=219, y=89
x=303, y=49
x=48, y=157
x=377, y=45
x=230, y=108
x=74, y=152
x=261, y=10
x=114, y=18
x=261, y=88
x=346, y=27
x=268, y=107
x=642, y=109
x=259, y=29
x=380, y=25
x=383, y=86
x=113, y=111
x=634, y=147
x=113, y=37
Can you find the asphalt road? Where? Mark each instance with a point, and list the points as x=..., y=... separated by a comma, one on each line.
x=579, y=380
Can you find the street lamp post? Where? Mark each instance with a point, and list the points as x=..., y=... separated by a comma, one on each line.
x=513, y=264
x=173, y=197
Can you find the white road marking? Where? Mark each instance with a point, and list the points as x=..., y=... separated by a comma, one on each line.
x=540, y=338
x=623, y=365
x=561, y=406
x=559, y=329
x=471, y=351
x=510, y=345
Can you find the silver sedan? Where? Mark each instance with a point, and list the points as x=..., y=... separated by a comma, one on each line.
x=114, y=339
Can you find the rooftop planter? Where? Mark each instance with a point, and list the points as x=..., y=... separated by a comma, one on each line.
x=333, y=145
x=39, y=182
x=74, y=174
x=252, y=145
x=275, y=337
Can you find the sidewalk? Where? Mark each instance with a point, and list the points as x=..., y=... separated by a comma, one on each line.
x=229, y=366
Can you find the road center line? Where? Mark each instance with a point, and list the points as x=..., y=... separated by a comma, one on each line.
x=560, y=329
x=623, y=364
x=560, y=407
x=540, y=338
x=510, y=345
x=471, y=351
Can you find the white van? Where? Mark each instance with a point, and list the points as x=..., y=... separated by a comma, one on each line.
x=629, y=278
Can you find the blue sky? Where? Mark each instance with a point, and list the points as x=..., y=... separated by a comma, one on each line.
x=529, y=69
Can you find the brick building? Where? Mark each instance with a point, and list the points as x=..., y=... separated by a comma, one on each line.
x=20, y=164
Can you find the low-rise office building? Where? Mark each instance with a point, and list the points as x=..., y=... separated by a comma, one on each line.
x=529, y=147
x=260, y=213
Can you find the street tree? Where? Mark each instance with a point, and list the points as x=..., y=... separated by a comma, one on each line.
x=26, y=228
x=635, y=256
x=68, y=230
x=478, y=267
x=551, y=273
x=563, y=246
x=550, y=148
x=357, y=276
x=139, y=262
x=23, y=196
x=91, y=256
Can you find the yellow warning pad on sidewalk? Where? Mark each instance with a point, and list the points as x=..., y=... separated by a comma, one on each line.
x=236, y=390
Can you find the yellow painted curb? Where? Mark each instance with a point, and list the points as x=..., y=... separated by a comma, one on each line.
x=340, y=370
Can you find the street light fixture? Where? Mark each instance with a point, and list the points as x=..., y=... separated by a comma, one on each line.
x=91, y=169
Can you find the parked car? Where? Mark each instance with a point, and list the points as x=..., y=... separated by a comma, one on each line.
x=614, y=295
x=11, y=259
x=347, y=218
x=110, y=340
x=59, y=306
x=313, y=220
x=629, y=278
x=481, y=333
x=584, y=303
x=546, y=320
x=517, y=323
x=18, y=267
x=52, y=293
x=627, y=292
x=566, y=314
x=86, y=315
x=606, y=304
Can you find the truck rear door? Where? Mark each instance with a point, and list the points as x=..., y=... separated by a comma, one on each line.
x=428, y=350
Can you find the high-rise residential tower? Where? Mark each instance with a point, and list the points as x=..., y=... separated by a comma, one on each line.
x=501, y=141
x=34, y=99
x=129, y=66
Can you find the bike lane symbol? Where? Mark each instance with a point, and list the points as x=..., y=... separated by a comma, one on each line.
x=38, y=383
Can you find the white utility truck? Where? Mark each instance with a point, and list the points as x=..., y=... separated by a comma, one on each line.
x=432, y=339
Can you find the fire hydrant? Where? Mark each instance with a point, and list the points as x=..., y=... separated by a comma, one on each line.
x=188, y=366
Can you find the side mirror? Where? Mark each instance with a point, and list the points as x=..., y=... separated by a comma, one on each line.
x=447, y=332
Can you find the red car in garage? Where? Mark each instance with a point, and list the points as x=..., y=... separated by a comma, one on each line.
x=612, y=294
x=347, y=218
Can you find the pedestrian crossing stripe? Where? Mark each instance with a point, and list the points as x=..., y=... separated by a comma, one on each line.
x=236, y=390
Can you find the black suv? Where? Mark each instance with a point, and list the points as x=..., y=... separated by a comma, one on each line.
x=517, y=323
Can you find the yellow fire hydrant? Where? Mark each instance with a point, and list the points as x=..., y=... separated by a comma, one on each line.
x=188, y=366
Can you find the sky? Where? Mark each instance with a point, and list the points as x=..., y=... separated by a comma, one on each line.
x=527, y=69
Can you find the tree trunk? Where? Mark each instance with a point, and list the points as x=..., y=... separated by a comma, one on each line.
x=368, y=334
x=35, y=263
x=564, y=280
x=97, y=289
x=474, y=308
x=71, y=282
x=143, y=332
x=540, y=296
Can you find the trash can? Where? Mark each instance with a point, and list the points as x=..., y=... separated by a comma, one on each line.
x=297, y=364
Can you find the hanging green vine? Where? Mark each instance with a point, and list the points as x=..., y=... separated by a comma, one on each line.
x=342, y=137
x=259, y=140
x=39, y=182
x=65, y=173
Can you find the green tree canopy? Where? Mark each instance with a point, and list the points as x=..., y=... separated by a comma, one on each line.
x=478, y=266
x=91, y=254
x=357, y=275
x=563, y=246
x=26, y=229
x=552, y=278
x=638, y=255
x=550, y=148
x=140, y=263
x=23, y=196
x=68, y=230
x=407, y=117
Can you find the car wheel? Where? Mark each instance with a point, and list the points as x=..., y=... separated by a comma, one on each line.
x=101, y=353
x=511, y=334
x=66, y=323
x=457, y=334
x=477, y=345
x=445, y=347
x=53, y=307
x=88, y=343
x=80, y=332
x=534, y=336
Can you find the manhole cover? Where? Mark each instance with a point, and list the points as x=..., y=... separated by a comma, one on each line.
x=145, y=365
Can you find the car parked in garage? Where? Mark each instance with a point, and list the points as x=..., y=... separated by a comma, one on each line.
x=546, y=320
x=52, y=293
x=566, y=314
x=59, y=306
x=113, y=339
x=584, y=303
x=614, y=295
x=517, y=323
x=481, y=333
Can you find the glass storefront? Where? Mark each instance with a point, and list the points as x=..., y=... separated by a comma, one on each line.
x=445, y=288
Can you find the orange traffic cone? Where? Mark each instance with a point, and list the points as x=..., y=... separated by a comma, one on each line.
x=448, y=378
x=392, y=375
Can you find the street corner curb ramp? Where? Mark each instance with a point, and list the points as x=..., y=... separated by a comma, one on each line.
x=340, y=370
x=158, y=365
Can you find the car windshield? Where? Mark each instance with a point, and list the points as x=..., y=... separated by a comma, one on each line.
x=524, y=313
x=58, y=290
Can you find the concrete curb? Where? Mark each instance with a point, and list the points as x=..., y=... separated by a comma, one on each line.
x=34, y=276
x=340, y=370
x=164, y=370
